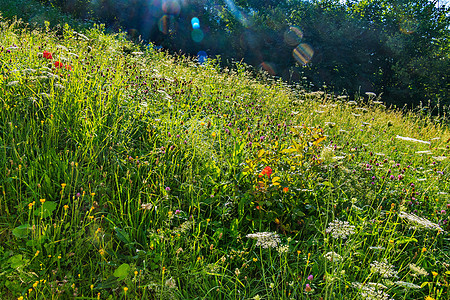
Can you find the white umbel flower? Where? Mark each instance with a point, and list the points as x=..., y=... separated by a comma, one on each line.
x=332, y=256
x=407, y=285
x=340, y=229
x=371, y=291
x=383, y=268
x=265, y=239
x=419, y=222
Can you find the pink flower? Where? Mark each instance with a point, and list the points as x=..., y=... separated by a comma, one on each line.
x=310, y=277
x=308, y=288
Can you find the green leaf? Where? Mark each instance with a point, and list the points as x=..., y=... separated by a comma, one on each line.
x=261, y=153
x=46, y=209
x=405, y=240
x=327, y=183
x=122, y=271
x=16, y=261
x=21, y=231
x=122, y=235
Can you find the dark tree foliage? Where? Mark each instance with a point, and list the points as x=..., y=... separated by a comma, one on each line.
x=400, y=48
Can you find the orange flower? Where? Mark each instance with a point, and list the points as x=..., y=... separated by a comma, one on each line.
x=285, y=189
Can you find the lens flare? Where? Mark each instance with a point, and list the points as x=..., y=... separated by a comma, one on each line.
x=268, y=67
x=195, y=22
x=293, y=36
x=303, y=53
x=237, y=13
x=408, y=25
x=167, y=24
x=197, y=35
x=171, y=7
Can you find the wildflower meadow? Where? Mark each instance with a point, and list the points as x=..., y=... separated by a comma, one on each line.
x=128, y=173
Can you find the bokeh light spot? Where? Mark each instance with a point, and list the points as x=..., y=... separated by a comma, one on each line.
x=195, y=22
x=197, y=35
x=202, y=57
x=163, y=24
x=293, y=36
x=303, y=53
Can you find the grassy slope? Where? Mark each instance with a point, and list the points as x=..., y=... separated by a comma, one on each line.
x=87, y=148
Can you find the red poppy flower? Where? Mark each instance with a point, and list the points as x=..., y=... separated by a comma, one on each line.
x=68, y=67
x=47, y=55
x=267, y=171
x=58, y=64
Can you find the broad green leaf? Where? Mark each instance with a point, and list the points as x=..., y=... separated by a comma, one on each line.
x=21, y=231
x=46, y=209
x=16, y=261
x=122, y=271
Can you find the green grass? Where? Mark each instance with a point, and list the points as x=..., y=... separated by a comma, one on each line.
x=129, y=174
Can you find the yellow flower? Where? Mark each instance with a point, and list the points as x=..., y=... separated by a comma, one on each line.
x=20, y=298
x=213, y=134
x=429, y=298
x=92, y=286
x=66, y=206
x=35, y=284
x=434, y=274
x=63, y=185
x=424, y=249
x=255, y=259
x=42, y=200
x=125, y=289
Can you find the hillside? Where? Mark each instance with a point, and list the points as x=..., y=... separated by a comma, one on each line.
x=129, y=173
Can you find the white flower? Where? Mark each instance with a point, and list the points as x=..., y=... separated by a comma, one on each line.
x=407, y=284
x=283, y=249
x=147, y=206
x=332, y=256
x=417, y=270
x=13, y=83
x=170, y=283
x=411, y=139
x=340, y=229
x=265, y=239
x=420, y=222
x=371, y=291
x=383, y=268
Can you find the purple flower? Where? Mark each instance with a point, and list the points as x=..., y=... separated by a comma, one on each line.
x=443, y=212
x=177, y=211
x=167, y=188
x=310, y=277
x=392, y=177
x=78, y=195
